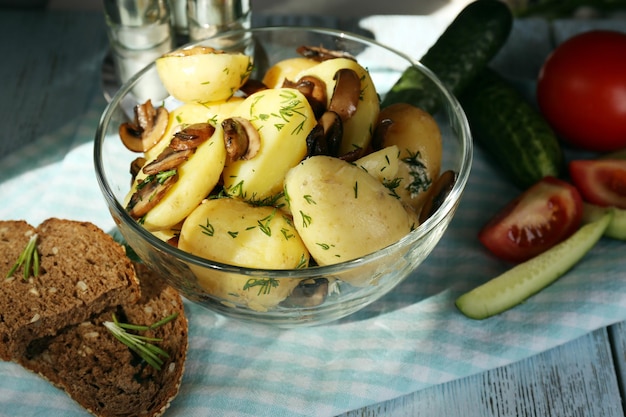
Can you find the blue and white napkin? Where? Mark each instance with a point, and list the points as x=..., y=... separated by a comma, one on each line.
x=411, y=339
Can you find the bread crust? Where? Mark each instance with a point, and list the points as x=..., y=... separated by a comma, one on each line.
x=82, y=272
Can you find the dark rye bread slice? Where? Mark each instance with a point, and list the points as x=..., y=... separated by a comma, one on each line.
x=82, y=272
x=101, y=373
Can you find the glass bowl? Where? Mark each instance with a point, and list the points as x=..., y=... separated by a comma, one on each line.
x=323, y=293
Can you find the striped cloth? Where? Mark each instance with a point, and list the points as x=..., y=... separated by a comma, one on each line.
x=410, y=339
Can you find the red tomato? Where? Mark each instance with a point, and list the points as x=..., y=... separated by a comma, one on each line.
x=600, y=181
x=581, y=90
x=545, y=214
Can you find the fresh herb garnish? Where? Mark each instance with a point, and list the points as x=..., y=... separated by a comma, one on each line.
x=420, y=181
x=29, y=258
x=207, y=229
x=306, y=219
x=265, y=284
x=140, y=344
x=264, y=223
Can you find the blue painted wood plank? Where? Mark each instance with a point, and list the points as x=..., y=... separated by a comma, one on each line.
x=617, y=334
x=576, y=379
x=50, y=71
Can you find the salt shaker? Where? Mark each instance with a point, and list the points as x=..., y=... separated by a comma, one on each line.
x=139, y=31
x=206, y=18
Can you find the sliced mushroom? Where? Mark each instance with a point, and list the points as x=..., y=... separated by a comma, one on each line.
x=346, y=94
x=352, y=156
x=145, y=114
x=147, y=129
x=309, y=293
x=136, y=165
x=319, y=53
x=242, y=140
x=167, y=160
x=437, y=194
x=380, y=131
x=192, y=136
x=173, y=241
x=314, y=89
x=325, y=137
x=252, y=86
x=181, y=147
x=149, y=192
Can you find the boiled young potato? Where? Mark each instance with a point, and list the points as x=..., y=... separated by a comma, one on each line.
x=283, y=119
x=197, y=176
x=418, y=138
x=341, y=211
x=357, y=130
x=234, y=232
x=381, y=164
x=202, y=74
x=286, y=69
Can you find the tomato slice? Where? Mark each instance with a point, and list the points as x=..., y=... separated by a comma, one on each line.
x=542, y=216
x=600, y=181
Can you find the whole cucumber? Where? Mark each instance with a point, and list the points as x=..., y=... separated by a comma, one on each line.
x=458, y=55
x=512, y=132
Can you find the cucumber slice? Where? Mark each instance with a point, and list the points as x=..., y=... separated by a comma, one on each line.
x=525, y=279
x=616, y=229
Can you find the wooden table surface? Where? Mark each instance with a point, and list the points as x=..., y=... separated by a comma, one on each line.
x=48, y=78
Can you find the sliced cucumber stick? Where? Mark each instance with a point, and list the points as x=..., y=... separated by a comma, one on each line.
x=525, y=279
x=616, y=229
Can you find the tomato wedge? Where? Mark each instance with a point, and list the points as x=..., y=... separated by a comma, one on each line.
x=545, y=214
x=600, y=181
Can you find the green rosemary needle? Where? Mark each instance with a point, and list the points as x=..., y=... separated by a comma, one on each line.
x=140, y=344
x=29, y=258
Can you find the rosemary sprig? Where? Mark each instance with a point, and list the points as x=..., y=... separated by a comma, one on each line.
x=29, y=258
x=140, y=344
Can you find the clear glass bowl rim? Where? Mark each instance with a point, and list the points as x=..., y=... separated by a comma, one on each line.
x=420, y=232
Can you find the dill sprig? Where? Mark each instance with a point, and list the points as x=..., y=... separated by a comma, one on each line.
x=29, y=258
x=139, y=344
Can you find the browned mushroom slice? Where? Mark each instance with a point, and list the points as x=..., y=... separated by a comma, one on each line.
x=192, y=136
x=380, y=131
x=437, y=194
x=309, y=293
x=167, y=160
x=346, y=94
x=252, y=86
x=314, y=89
x=352, y=156
x=319, y=53
x=145, y=114
x=135, y=166
x=146, y=130
x=242, y=140
x=149, y=192
x=325, y=137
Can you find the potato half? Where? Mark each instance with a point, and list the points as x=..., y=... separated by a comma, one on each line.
x=234, y=232
x=341, y=211
x=286, y=69
x=197, y=176
x=283, y=119
x=202, y=74
x=418, y=138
